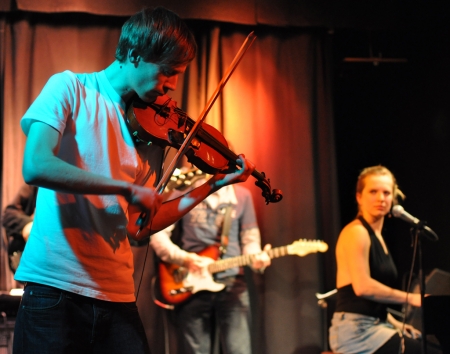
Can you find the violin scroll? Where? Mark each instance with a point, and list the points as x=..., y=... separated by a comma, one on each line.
x=271, y=196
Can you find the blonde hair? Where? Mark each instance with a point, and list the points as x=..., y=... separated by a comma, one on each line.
x=379, y=170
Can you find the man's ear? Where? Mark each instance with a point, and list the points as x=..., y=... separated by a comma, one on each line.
x=133, y=56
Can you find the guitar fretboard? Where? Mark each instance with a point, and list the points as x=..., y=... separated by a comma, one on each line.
x=244, y=260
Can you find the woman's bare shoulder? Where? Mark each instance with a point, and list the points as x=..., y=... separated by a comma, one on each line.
x=354, y=231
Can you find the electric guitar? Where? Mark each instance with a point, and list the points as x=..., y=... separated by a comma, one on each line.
x=177, y=284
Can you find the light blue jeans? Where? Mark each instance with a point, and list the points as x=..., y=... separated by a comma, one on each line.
x=355, y=333
x=229, y=309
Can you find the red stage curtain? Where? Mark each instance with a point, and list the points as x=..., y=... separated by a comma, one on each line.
x=305, y=13
x=275, y=108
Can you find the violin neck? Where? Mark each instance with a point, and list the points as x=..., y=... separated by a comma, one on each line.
x=224, y=151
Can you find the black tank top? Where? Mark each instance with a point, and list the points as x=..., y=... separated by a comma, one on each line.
x=382, y=269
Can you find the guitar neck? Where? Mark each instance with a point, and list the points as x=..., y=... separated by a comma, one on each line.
x=244, y=260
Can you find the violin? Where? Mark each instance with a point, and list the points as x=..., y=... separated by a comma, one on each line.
x=164, y=124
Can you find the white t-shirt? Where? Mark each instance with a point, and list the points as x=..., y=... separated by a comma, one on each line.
x=79, y=242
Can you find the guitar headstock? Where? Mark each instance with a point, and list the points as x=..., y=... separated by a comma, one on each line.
x=183, y=178
x=303, y=247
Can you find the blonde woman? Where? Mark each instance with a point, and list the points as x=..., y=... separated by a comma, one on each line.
x=366, y=275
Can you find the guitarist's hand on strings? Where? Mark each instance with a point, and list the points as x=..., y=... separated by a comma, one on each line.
x=261, y=260
x=196, y=263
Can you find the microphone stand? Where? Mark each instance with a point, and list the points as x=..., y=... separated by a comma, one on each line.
x=422, y=291
x=418, y=230
x=421, y=229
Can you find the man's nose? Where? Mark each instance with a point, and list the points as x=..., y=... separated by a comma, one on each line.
x=171, y=83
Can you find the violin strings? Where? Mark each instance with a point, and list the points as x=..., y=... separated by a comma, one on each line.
x=161, y=109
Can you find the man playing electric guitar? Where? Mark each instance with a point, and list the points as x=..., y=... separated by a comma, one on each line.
x=201, y=228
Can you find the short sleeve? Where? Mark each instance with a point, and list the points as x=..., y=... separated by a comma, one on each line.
x=54, y=104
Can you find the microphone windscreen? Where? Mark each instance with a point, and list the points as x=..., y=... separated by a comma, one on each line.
x=397, y=210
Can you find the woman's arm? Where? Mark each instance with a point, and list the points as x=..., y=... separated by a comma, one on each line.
x=404, y=328
x=352, y=252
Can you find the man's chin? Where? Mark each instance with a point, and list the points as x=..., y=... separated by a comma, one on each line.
x=148, y=99
x=151, y=97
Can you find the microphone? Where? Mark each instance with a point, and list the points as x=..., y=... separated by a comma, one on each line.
x=399, y=212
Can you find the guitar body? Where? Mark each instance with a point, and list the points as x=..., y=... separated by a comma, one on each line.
x=177, y=284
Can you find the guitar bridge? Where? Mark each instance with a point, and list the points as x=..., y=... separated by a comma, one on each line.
x=174, y=292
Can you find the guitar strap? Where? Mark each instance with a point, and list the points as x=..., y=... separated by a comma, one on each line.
x=225, y=230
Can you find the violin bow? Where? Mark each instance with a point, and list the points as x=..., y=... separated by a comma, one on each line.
x=187, y=141
x=142, y=220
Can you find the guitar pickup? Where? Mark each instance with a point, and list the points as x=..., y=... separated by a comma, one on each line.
x=180, y=274
x=180, y=290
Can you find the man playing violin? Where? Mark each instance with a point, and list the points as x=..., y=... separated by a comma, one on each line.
x=92, y=177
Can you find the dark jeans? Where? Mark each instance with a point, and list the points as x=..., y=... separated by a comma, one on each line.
x=229, y=309
x=52, y=321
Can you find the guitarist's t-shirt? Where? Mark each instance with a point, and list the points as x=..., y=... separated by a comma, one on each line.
x=78, y=242
x=202, y=227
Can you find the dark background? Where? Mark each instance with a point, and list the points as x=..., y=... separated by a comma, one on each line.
x=397, y=115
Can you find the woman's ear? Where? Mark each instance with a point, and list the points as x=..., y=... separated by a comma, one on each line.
x=358, y=198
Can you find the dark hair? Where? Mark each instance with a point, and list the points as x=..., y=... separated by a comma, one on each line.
x=159, y=36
